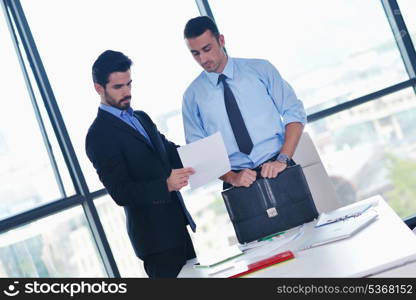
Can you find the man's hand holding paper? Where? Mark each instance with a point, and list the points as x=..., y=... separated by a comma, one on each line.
x=179, y=178
x=208, y=157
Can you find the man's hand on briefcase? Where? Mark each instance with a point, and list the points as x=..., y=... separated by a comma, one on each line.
x=244, y=178
x=271, y=169
x=179, y=178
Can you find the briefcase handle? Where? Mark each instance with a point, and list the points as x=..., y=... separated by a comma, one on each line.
x=290, y=164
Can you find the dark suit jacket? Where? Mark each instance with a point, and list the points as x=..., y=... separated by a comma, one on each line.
x=135, y=174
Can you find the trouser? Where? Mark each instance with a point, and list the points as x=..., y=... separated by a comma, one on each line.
x=168, y=264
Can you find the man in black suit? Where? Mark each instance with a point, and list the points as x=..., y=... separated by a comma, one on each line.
x=141, y=170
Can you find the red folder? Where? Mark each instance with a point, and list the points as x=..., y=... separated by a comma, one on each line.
x=275, y=259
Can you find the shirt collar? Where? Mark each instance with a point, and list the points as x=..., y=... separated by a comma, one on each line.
x=228, y=71
x=116, y=111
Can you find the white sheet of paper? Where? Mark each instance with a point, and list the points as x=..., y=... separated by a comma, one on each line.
x=344, y=212
x=208, y=157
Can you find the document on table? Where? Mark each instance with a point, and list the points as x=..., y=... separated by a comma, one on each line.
x=343, y=213
x=266, y=248
x=218, y=257
x=338, y=231
x=208, y=157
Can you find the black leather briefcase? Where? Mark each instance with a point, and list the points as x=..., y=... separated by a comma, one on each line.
x=270, y=205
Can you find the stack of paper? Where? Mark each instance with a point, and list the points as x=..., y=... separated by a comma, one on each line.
x=273, y=242
x=220, y=257
x=344, y=213
x=338, y=230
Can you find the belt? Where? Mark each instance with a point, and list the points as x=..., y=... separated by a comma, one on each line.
x=258, y=168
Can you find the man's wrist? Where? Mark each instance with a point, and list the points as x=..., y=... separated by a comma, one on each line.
x=283, y=158
x=228, y=177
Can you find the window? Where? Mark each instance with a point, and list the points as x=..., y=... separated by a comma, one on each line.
x=408, y=10
x=26, y=176
x=329, y=51
x=114, y=222
x=56, y=246
x=370, y=150
x=163, y=67
x=214, y=228
x=148, y=32
x=332, y=52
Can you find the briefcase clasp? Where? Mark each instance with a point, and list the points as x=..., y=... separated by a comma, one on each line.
x=271, y=212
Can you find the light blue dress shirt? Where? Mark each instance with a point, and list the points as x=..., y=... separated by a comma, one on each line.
x=266, y=101
x=127, y=117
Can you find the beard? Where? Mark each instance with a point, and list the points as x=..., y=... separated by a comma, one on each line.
x=123, y=103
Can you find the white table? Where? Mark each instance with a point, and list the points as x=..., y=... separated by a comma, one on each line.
x=384, y=246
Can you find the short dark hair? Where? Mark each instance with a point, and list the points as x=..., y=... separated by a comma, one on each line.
x=109, y=62
x=197, y=26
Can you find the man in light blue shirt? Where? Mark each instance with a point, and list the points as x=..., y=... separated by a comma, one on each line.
x=273, y=116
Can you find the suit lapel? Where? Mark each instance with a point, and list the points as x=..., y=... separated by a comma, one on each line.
x=154, y=137
x=123, y=126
